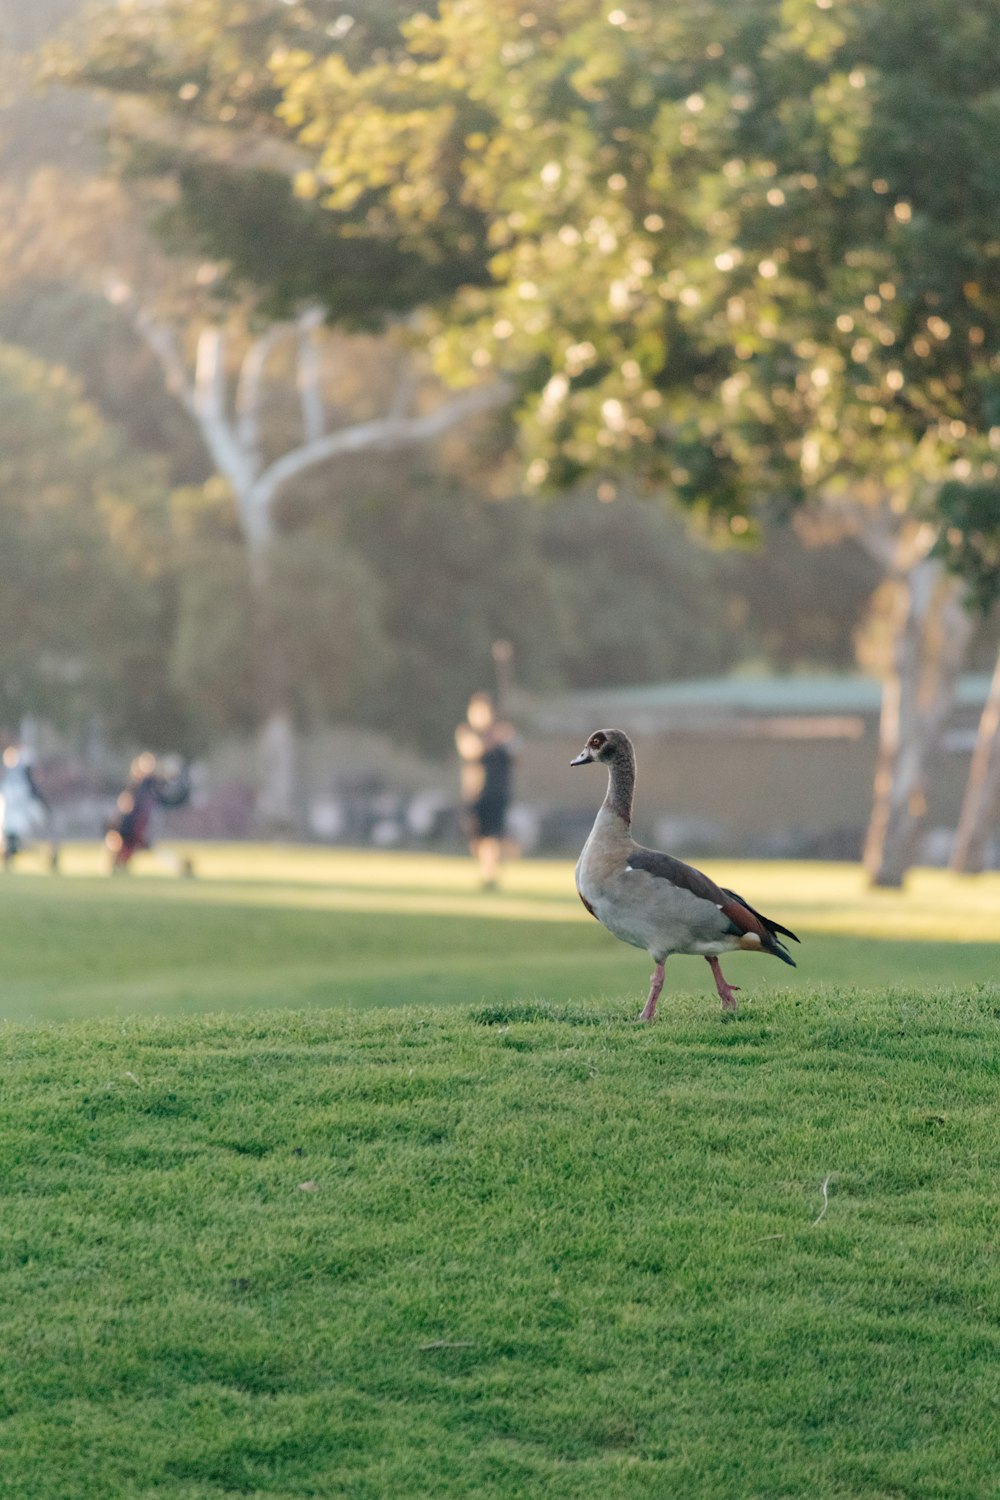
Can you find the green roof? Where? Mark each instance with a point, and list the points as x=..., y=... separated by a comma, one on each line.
x=830, y=694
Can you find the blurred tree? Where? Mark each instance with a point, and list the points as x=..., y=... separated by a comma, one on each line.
x=458, y=571
x=325, y=639
x=746, y=250
x=981, y=801
x=198, y=103
x=232, y=428
x=588, y=592
x=207, y=62
x=639, y=600
x=970, y=545
x=65, y=323
x=259, y=398
x=86, y=604
x=718, y=247
x=578, y=590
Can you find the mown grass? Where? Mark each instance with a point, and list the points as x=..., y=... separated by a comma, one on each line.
x=462, y=1228
x=269, y=927
x=506, y=1250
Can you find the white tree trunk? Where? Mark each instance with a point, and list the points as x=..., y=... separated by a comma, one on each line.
x=982, y=792
x=277, y=807
x=309, y=376
x=933, y=630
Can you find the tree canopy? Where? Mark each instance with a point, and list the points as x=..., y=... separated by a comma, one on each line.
x=741, y=250
x=210, y=66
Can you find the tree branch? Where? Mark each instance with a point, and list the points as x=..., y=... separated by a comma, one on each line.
x=248, y=393
x=234, y=446
x=217, y=431
x=308, y=375
x=159, y=339
x=382, y=432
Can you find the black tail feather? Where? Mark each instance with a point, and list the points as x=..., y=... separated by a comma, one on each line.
x=776, y=948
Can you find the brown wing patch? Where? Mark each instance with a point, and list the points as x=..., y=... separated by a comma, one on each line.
x=588, y=906
x=772, y=927
x=743, y=919
x=756, y=931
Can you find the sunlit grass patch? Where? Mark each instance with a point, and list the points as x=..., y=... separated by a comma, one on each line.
x=822, y=896
x=832, y=897
x=269, y=927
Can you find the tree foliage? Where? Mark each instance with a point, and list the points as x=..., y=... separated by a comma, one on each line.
x=587, y=592
x=746, y=253
x=744, y=250
x=210, y=66
x=970, y=538
x=85, y=602
x=729, y=243
x=322, y=634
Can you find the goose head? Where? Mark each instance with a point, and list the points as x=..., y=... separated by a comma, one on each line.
x=605, y=745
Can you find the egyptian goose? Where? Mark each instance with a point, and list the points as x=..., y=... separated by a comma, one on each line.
x=652, y=900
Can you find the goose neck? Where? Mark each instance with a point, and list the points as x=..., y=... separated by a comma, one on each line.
x=621, y=785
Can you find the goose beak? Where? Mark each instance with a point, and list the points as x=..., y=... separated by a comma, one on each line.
x=583, y=759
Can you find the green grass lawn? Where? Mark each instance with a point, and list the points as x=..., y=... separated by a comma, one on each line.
x=262, y=927
x=501, y=1243
x=505, y=1251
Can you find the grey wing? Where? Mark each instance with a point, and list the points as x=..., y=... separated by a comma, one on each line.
x=689, y=891
x=677, y=873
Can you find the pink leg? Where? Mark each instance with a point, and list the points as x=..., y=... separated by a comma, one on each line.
x=655, y=986
x=727, y=992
